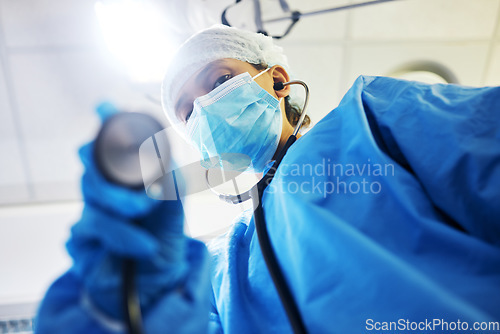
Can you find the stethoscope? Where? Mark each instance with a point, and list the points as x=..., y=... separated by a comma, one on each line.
x=116, y=149
x=255, y=194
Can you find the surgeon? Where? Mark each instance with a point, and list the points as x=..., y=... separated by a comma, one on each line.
x=384, y=216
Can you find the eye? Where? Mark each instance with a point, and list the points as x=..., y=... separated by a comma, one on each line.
x=221, y=80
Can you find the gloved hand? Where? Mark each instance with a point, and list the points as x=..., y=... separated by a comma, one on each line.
x=119, y=223
x=172, y=271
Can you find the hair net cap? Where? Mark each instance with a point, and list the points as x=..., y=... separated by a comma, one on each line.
x=212, y=44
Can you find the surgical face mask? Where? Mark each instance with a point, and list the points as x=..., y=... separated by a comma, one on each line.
x=236, y=126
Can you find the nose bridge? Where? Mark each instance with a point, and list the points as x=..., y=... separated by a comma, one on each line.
x=198, y=92
x=188, y=94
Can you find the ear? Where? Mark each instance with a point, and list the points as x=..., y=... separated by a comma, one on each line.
x=279, y=74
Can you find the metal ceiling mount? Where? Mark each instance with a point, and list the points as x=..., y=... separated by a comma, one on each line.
x=294, y=15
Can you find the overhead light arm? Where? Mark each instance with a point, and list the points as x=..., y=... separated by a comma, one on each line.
x=295, y=16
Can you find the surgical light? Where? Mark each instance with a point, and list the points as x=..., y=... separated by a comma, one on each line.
x=137, y=35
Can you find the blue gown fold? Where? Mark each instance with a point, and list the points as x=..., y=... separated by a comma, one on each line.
x=386, y=213
x=387, y=209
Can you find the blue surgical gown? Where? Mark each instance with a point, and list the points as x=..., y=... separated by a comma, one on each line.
x=386, y=212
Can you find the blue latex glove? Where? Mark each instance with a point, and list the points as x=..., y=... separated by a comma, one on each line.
x=125, y=223
x=172, y=272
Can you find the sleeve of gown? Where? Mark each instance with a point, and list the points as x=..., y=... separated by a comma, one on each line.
x=172, y=271
x=448, y=136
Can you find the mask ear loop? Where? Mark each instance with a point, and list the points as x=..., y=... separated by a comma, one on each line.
x=259, y=74
x=240, y=198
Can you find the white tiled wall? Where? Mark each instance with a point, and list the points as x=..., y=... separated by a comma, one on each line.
x=466, y=59
x=329, y=51
x=319, y=65
x=426, y=20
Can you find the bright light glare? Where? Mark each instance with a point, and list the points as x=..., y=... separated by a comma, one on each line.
x=137, y=36
x=423, y=76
